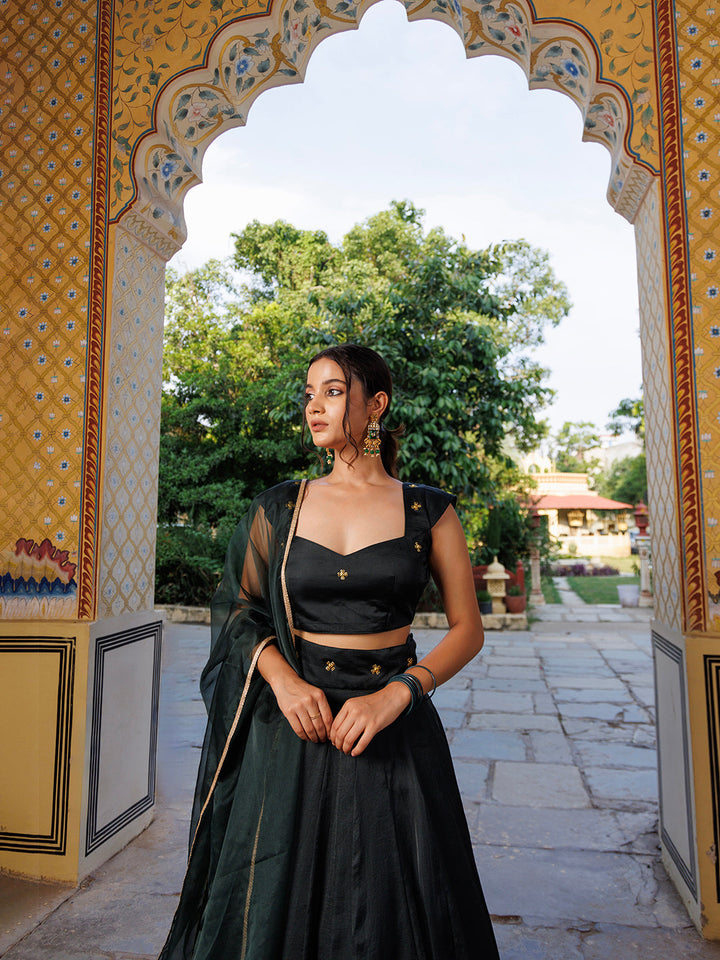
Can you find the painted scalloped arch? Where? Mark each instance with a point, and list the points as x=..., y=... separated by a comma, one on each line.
x=247, y=58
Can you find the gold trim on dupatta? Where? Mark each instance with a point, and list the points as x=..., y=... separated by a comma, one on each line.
x=283, y=582
x=236, y=719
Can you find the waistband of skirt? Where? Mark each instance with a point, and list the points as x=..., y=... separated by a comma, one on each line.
x=329, y=666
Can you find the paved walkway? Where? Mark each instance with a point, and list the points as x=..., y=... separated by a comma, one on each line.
x=553, y=736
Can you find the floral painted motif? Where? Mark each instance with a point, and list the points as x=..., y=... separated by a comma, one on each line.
x=604, y=118
x=563, y=64
x=628, y=44
x=168, y=171
x=198, y=111
x=503, y=25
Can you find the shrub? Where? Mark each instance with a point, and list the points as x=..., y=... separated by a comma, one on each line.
x=188, y=564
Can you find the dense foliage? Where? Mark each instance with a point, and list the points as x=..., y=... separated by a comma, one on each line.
x=456, y=326
x=626, y=480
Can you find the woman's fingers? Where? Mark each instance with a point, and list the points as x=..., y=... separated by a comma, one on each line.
x=325, y=714
x=361, y=743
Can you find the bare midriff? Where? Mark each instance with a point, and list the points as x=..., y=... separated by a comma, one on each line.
x=358, y=641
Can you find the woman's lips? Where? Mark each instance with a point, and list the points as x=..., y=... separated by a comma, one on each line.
x=317, y=425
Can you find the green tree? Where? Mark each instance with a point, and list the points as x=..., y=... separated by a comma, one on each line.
x=628, y=417
x=444, y=316
x=626, y=480
x=571, y=443
x=222, y=431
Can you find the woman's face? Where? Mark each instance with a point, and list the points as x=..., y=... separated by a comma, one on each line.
x=325, y=396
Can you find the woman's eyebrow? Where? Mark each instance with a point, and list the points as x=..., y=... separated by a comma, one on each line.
x=326, y=382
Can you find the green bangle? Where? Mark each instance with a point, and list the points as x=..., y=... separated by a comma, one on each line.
x=432, y=677
x=413, y=685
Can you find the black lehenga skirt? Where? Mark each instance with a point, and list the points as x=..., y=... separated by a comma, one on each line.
x=384, y=868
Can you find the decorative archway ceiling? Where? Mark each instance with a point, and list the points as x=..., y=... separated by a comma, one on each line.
x=186, y=71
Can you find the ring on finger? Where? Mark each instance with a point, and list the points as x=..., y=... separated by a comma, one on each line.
x=313, y=716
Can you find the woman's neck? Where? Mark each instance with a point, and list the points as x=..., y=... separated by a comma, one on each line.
x=362, y=470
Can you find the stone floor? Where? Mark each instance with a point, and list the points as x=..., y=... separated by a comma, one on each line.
x=553, y=737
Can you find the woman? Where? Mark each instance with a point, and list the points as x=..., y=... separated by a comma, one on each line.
x=327, y=822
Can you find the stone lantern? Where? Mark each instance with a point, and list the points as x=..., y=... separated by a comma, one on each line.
x=495, y=578
x=642, y=518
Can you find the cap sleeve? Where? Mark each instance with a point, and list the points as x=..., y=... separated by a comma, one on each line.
x=437, y=502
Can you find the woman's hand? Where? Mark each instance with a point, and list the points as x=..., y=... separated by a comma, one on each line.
x=304, y=707
x=360, y=718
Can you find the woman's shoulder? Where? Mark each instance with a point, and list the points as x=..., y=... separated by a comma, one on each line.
x=436, y=500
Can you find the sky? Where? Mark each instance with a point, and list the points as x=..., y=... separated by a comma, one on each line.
x=394, y=111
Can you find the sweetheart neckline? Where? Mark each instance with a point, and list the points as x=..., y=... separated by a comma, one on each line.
x=352, y=553
x=405, y=487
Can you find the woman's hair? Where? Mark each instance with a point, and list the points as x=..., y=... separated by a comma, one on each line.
x=369, y=368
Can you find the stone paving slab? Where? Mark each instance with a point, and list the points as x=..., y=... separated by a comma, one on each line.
x=587, y=729
x=539, y=785
x=604, y=711
x=564, y=887
x=505, y=685
x=566, y=695
x=623, y=943
x=513, y=721
x=488, y=744
x=593, y=754
x=609, y=784
x=579, y=829
x=549, y=747
x=490, y=701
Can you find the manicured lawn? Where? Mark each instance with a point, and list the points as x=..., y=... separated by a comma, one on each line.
x=599, y=589
x=549, y=590
x=623, y=564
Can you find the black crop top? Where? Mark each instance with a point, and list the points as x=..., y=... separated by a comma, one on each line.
x=370, y=590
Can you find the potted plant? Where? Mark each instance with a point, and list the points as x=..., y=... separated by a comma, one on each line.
x=515, y=599
x=484, y=601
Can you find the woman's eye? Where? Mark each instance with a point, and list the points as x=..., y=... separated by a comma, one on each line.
x=334, y=392
x=308, y=397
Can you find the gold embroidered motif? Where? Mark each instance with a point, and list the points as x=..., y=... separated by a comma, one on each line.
x=413, y=485
x=375, y=668
x=289, y=504
x=418, y=547
x=410, y=661
x=329, y=665
x=343, y=574
x=415, y=505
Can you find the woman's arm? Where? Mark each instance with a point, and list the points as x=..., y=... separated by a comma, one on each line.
x=452, y=572
x=361, y=718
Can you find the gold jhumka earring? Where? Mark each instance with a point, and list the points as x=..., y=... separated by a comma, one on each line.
x=372, y=440
x=329, y=456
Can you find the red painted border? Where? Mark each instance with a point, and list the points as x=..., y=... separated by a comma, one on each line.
x=678, y=292
x=92, y=453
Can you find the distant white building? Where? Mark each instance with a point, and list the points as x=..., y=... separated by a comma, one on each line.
x=613, y=448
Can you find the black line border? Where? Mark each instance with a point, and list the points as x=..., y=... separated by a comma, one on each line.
x=55, y=842
x=95, y=836
x=711, y=671
x=686, y=871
